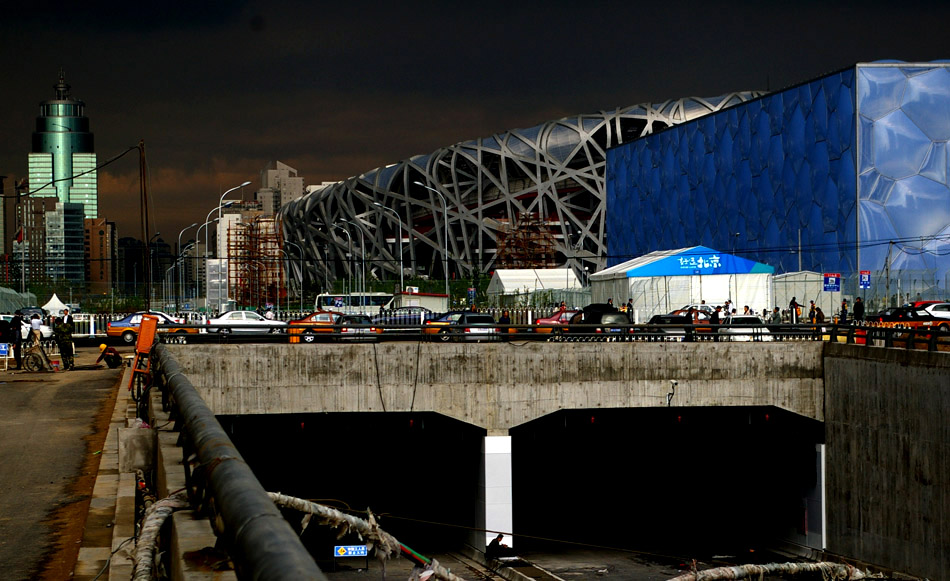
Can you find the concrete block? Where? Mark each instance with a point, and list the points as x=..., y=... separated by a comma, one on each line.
x=136, y=449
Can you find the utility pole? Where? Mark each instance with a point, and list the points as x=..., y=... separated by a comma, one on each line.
x=143, y=210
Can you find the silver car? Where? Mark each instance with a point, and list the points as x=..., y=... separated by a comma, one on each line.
x=244, y=322
x=744, y=328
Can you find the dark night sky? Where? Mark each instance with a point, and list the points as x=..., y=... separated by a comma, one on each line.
x=219, y=89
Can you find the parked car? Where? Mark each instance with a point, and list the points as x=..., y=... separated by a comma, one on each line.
x=744, y=328
x=610, y=321
x=317, y=323
x=666, y=332
x=45, y=331
x=939, y=310
x=358, y=328
x=402, y=317
x=436, y=326
x=704, y=312
x=468, y=326
x=555, y=323
x=244, y=322
x=898, y=315
x=127, y=328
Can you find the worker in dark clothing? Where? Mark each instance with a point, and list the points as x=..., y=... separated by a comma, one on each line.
x=858, y=310
x=497, y=549
x=15, y=335
x=110, y=355
x=63, y=333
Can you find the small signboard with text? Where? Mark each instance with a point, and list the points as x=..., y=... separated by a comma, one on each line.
x=832, y=282
x=340, y=551
x=865, y=280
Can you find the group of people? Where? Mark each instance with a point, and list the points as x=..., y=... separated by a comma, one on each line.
x=62, y=328
x=816, y=316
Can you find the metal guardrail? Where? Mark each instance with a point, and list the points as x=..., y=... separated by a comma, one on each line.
x=259, y=541
x=927, y=338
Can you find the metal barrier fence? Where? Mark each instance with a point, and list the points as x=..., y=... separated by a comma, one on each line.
x=929, y=338
x=220, y=484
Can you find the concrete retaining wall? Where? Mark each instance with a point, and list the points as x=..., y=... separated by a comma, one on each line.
x=499, y=386
x=888, y=444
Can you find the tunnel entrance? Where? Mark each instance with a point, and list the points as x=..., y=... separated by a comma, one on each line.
x=418, y=472
x=671, y=481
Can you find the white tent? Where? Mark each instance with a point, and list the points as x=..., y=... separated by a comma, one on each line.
x=55, y=306
x=667, y=280
x=509, y=283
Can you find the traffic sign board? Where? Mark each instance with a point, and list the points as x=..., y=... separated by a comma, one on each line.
x=350, y=551
x=832, y=282
x=865, y=280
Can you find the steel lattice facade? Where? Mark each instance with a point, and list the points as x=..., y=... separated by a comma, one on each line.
x=525, y=197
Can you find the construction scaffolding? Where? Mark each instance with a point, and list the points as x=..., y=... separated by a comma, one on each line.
x=255, y=269
x=527, y=244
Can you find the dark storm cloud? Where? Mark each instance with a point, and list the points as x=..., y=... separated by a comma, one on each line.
x=219, y=89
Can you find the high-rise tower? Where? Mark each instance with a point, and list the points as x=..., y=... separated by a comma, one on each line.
x=63, y=160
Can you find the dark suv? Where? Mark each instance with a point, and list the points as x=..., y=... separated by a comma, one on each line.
x=470, y=326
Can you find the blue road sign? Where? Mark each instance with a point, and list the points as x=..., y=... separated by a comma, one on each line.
x=832, y=282
x=350, y=551
x=865, y=280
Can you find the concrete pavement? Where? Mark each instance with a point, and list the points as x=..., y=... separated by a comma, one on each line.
x=52, y=429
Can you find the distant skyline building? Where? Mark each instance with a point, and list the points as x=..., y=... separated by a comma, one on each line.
x=279, y=185
x=101, y=248
x=62, y=162
x=65, y=244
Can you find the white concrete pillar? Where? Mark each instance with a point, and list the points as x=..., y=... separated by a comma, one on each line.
x=494, y=494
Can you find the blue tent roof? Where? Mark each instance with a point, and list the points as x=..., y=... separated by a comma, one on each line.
x=684, y=262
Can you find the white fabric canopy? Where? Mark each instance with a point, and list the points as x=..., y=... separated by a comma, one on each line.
x=55, y=306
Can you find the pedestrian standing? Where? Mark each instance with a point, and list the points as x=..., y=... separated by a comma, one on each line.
x=36, y=336
x=64, y=340
x=858, y=310
x=794, y=311
x=16, y=339
x=844, y=310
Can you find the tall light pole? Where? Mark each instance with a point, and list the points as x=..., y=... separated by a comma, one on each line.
x=183, y=270
x=299, y=253
x=402, y=285
x=349, y=241
x=362, y=264
x=221, y=202
x=179, y=255
x=165, y=285
x=198, y=235
x=148, y=275
x=445, y=212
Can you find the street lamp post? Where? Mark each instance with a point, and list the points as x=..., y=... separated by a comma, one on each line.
x=179, y=256
x=300, y=253
x=146, y=269
x=165, y=285
x=198, y=235
x=349, y=241
x=221, y=202
x=218, y=219
x=362, y=265
x=402, y=285
x=445, y=212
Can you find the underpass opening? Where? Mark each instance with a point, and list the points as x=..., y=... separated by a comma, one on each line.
x=677, y=481
x=417, y=472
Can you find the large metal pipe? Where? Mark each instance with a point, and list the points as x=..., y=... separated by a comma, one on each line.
x=260, y=542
